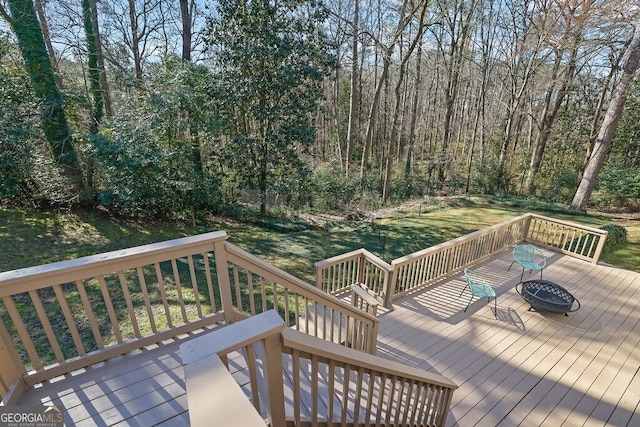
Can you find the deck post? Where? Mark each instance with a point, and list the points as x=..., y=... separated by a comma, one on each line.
x=525, y=228
x=361, y=269
x=224, y=281
x=269, y=349
x=11, y=368
x=389, y=287
x=599, y=248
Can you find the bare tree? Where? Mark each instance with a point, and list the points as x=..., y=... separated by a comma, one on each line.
x=135, y=25
x=630, y=62
x=353, y=96
x=405, y=16
x=395, y=125
x=458, y=22
x=47, y=41
x=523, y=50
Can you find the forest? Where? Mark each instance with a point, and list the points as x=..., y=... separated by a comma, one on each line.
x=161, y=109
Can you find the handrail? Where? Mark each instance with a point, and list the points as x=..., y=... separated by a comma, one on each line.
x=30, y=278
x=341, y=385
x=208, y=380
x=65, y=316
x=258, y=287
x=571, y=239
x=258, y=340
x=429, y=265
x=335, y=275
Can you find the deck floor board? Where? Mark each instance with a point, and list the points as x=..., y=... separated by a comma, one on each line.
x=527, y=367
x=522, y=368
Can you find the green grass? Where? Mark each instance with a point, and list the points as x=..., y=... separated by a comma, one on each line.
x=30, y=238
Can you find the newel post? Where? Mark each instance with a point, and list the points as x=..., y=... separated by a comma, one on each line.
x=269, y=350
x=525, y=228
x=11, y=368
x=224, y=281
x=389, y=286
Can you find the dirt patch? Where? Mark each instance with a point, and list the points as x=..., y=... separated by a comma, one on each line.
x=617, y=215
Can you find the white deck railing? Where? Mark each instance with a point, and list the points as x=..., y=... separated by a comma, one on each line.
x=64, y=316
x=297, y=379
x=432, y=264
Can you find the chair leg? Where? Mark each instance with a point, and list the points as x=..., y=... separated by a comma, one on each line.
x=470, y=299
x=541, y=273
x=495, y=301
x=522, y=275
x=511, y=265
x=463, y=289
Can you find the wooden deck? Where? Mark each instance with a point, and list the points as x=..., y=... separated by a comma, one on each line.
x=145, y=388
x=524, y=368
x=527, y=368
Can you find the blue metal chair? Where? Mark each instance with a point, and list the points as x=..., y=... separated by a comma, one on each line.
x=479, y=288
x=529, y=257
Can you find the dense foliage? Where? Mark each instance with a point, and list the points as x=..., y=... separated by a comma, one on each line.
x=616, y=235
x=270, y=60
x=145, y=162
x=28, y=175
x=255, y=105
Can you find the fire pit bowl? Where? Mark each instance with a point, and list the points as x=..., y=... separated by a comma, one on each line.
x=543, y=295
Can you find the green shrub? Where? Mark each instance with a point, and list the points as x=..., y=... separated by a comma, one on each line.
x=617, y=235
x=136, y=176
x=333, y=191
x=620, y=181
x=489, y=177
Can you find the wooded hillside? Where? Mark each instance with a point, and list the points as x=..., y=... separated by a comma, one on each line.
x=155, y=108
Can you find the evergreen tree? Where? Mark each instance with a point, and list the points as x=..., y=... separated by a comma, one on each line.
x=271, y=59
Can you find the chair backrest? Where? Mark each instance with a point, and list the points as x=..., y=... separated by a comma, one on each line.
x=529, y=254
x=477, y=285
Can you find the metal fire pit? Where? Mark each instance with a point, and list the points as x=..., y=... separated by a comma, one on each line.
x=543, y=295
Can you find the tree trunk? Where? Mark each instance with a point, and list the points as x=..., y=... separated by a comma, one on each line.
x=47, y=41
x=37, y=63
x=373, y=110
x=593, y=134
x=456, y=51
x=187, y=23
x=607, y=131
x=550, y=113
x=106, y=93
x=395, y=124
x=94, y=70
x=382, y=80
x=135, y=41
x=353, y=100
x=412, y=126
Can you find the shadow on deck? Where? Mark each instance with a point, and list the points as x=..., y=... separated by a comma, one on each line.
x=526, y=367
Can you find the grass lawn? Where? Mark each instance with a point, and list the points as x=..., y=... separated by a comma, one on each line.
x=29, y=238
